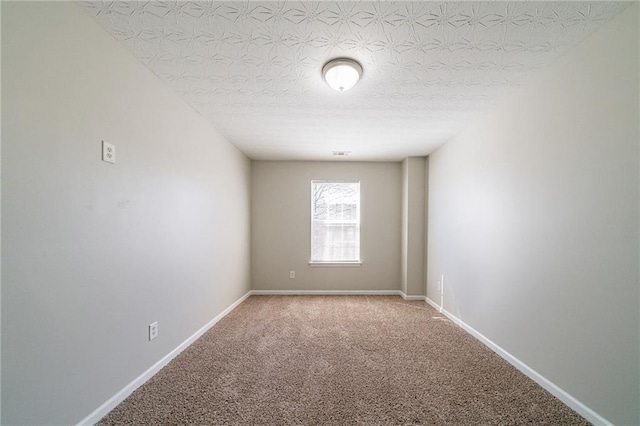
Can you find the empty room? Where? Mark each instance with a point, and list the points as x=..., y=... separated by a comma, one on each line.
x=320, y=212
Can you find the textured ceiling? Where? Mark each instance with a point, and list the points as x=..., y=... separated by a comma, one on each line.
x=254, y=68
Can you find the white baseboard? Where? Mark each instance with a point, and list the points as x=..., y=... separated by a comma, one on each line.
x=551, y=387
x=336, y=293
x=116, y=399
x=432, y=303
x=412, y=297
x=326, y=292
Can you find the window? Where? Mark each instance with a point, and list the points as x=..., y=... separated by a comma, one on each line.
x=335, y=222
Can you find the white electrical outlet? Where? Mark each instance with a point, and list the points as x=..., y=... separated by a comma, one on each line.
x=153, y=330
x=292, y=274
x=108, y=152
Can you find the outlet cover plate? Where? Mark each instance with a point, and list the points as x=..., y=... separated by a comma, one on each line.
x=108, y=152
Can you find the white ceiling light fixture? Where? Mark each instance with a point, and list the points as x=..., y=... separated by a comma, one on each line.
x=341, y=74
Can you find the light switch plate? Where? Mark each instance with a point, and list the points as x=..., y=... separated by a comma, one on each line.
x=108, y=152
x=153, y=330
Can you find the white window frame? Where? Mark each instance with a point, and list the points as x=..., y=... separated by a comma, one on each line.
x=355, y=262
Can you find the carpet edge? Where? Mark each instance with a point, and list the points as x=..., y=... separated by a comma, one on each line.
x=123, y=393
x=568, y=399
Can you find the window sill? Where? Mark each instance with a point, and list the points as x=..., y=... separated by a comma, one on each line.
x=353, y=263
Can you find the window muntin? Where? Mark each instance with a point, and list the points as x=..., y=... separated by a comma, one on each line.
x=335, y=222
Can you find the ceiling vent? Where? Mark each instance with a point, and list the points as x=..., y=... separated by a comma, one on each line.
x=341, y=153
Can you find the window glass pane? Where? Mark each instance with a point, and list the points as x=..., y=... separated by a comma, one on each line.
x=335, y=221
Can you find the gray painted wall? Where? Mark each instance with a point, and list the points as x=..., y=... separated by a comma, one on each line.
x=281, y=229
x=533, y=220
x=91, y=252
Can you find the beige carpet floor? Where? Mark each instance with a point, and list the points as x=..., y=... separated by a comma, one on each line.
x=339, y=360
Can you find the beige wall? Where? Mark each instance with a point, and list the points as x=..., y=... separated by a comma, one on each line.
x=413, y=226
x=0, y=223
x=533, y=220
x=281, y=229
x=91, y=252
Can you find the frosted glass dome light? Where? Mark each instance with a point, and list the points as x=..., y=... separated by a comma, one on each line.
x=342, y=74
